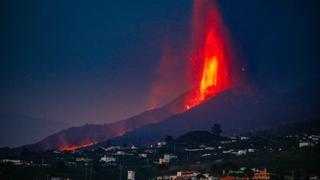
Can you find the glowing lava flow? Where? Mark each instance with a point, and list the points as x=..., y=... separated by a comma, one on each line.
x=209, y=76
x=211, y=57
x=73, y=148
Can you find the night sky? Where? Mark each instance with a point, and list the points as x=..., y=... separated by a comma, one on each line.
x=82, y=61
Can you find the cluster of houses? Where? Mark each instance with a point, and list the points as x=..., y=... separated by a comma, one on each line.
x=117, y=155
x=308, y=140
x=237, y=175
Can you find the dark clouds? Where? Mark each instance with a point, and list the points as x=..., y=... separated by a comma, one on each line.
x=84, y=61
x=279, y=39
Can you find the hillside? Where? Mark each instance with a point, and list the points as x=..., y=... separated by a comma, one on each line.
x=238, y=110
x=93, y=133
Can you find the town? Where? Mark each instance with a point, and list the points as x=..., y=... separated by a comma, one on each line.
x=196, y=155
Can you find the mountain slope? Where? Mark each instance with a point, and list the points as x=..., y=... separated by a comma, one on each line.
x=17, y=129
x=92, y=133
x=238, y=110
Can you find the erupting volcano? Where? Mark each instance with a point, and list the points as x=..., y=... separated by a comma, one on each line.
x=211, y=58
x=208, y=70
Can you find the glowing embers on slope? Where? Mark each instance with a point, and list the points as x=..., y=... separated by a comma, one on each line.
x=73, y=148
x=211, y=57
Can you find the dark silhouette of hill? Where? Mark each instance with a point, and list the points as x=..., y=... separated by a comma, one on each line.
x=198, y=137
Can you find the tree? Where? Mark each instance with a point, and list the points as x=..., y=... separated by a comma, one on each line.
x=216, y=130
x=168, y=139
x=26, y=155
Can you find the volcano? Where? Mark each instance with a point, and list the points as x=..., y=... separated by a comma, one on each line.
x=210, y=72
x=241, y=109
x=212, y=54
x=218, y=95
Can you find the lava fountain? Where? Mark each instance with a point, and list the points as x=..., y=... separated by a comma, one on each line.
x=210, y=59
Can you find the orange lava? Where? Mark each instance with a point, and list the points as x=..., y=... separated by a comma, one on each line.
x=210, y=60
x=73, y=148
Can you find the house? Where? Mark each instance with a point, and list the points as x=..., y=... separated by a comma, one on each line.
x=17, y=162
x=131, y=175
x=161, y=144
x=206, y=154
x=241, y=152
x=314, y=137
x=209, y=148
x=112, y=148
x=193, y=149
x=143, y=155
x=82, y=159
x=164, y=177
x=186, y=174
x=261, y=175
x=107, y=159
x=60, y=178
x=305, y=144
x=233, y=178
x=56, y=178
x=244, y=138
x=162, y=161
x=168, y=157
x=227, y=151
x=122, y=153
x=250, y=150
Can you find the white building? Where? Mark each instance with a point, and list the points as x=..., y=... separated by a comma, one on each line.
x=133, y=147
x=187, y=174
x=206, y=154
x=250, y=150
x=112, y=148
x=209, y=148
x=314, y=137
x=13, y=161
x=162, y=161
x=56, y=178
x=107, y=159
x=131, y=175
x=122, y=153
x=244, y=138
x=241, y=152
x=143, y=155
x=169, y=157
x=162, y=143
x=229, y=151
x=305, y=144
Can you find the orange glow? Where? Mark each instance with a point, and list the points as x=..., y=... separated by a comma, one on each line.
x=210, y=60
x=209, y=76
x=121, y=132
x=73, y=148
x=169, y=81
x=208, y=71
